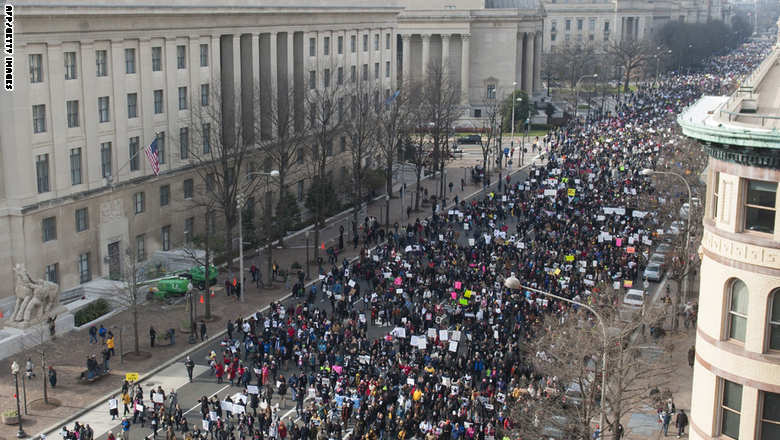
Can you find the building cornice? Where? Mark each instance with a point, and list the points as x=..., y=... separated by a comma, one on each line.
x=746, y=156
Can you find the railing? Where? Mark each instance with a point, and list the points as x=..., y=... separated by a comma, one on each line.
x=733, y=115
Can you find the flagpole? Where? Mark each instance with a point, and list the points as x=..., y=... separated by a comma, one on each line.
x=131, y=158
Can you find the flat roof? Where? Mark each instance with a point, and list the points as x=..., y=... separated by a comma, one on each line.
x=750, y=117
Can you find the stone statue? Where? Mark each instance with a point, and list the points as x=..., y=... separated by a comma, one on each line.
x=34, y=298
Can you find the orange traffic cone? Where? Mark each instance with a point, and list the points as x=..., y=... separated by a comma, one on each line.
x=322, y=246
x=201, y=299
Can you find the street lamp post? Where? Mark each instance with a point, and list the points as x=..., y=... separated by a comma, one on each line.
x=268, y=175
x=15, y=372
x=306, y=234
x=240, y=201
x=512, y=141
x=650, y=172
x=512, y=282
x=577, y=91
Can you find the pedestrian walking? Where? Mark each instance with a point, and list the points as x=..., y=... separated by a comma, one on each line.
x=29, y=369
x=152, y=335
x=202, y=330
x=189, y=364
x=52, y=377
x=691, y=356
x=681, y=423
x=666, y=418
x=93, y=334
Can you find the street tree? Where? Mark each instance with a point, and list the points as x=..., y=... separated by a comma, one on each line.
x=221, y=143
x=417, y=149
x=440, y=107
x=392, y=125
x=569, y=347
x=324, y=122
x=630, y=54
x=490, y=129
x=282, y=145
x=361, y=130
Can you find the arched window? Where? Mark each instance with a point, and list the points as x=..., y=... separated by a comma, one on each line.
x=774, y=320
x=738, y=307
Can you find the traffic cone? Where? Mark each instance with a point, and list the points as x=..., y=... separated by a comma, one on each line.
x=322, y=246
x=201, y=299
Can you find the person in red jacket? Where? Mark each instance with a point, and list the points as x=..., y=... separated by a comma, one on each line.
x=220, y=371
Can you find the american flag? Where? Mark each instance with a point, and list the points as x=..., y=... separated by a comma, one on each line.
x=153, y=154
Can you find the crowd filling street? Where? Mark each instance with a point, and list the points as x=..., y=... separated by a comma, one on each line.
x=418, y=337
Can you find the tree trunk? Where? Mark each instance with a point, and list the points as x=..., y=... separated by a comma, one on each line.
x=389, y=178
x=206, y=272
x=417, y=191
x=282, y=179
x=44, y=377
x=136, y=341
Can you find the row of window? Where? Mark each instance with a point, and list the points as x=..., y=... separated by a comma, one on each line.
x=759, y=204
x=731, y=412
x=326, y=45
x=104, y=112
x=326, y=75
x=101, y=62
x=567, y=37
x=737, y=316
x=580, y=23
x=42, y=165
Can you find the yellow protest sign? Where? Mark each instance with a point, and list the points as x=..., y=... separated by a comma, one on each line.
x=628, y=283
x=569, y=258
x=131, y=377
x=572, y=192
x=467, y=293
x=557, y=271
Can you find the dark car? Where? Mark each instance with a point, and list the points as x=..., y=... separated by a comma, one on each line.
x=471, y=139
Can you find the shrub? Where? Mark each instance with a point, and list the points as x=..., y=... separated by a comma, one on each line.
x=92, y=312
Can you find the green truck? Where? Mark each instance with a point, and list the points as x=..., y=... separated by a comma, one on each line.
x=196, y=274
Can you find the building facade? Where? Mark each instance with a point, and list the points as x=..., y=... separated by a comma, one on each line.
x=597, y=22
x=95, y=83
x=736, y=380
x=488, y=46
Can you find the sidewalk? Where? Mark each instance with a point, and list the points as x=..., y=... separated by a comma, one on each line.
x=68, y=353
x=643, y=424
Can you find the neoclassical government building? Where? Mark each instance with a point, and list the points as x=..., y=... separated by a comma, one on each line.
x=95, y=81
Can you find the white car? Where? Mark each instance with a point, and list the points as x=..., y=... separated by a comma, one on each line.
x=653, y=272
x=634, y=298
x=676, y=227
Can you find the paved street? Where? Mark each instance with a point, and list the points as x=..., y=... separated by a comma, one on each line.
x=68, y=352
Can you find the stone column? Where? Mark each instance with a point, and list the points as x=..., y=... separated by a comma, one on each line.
x=445, y=53
x=537, y=61
x=528, y=53
x=426, y=53
x=272, y=58
x=406, y=58
x=465, y=68
x=256, y=107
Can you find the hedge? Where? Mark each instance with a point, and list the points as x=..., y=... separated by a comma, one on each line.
x=92, y=312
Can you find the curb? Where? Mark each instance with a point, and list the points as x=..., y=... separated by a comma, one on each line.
x=53, y=429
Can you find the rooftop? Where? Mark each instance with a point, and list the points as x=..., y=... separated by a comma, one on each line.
x=750, y=117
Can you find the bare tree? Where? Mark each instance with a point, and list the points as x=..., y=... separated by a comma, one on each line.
x=630, y=54
x=361, y=130
x=441, y=103
x=392, y=125
x=491, y=129
x=281, y=147
x=420, y=141
x=129, y=296
x=222, y=143
x=325, y=121
x=570, y=346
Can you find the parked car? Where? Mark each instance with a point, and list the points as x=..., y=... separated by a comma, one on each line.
x=634, y=298
x=663, y=248
x=658, y=259
x=471, y=139
x=676, y=228
x=653, y=272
